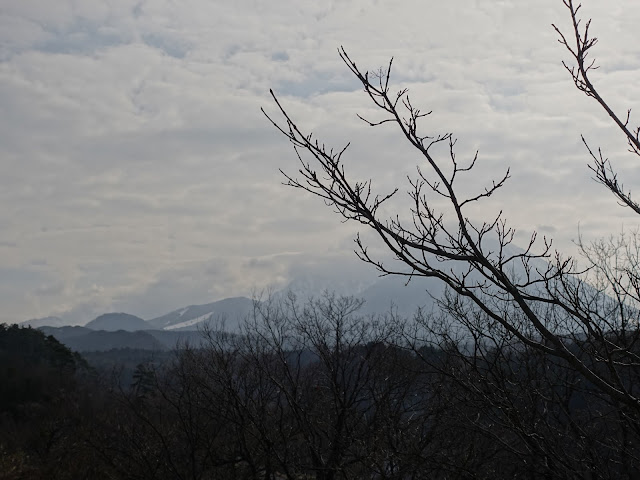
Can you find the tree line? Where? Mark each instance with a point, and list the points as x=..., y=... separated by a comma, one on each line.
x=313, y=390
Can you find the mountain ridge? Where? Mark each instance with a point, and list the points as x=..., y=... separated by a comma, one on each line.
x=112, y=322
x=231, y=309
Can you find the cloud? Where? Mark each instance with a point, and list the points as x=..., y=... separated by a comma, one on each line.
x=137, y=167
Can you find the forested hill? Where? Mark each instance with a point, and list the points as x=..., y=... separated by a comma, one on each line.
x=34, y=368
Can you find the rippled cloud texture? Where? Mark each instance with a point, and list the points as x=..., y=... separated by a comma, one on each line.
x=137, y=172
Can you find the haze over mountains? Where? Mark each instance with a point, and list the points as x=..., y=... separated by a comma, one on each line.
x=45, y=322
x=384, y=294
x=123, y=330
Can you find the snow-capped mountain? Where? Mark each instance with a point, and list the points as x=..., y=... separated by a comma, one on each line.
x=230, y=311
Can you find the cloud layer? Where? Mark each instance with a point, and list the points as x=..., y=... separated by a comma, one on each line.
x=138, y=173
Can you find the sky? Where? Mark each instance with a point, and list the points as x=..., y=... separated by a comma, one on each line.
x=138, y=174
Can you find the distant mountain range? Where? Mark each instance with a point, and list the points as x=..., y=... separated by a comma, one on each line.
x=386, y=293
x=228, y=312
x=123, y=330
x=126, y=331
x=112, y=322
x=44, y=322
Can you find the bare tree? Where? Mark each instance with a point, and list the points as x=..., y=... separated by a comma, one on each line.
x=513, y=411
x=341, y=386
x=579, y=45
x=535, y=296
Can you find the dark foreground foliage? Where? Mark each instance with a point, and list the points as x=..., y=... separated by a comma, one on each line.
x=315, y=392
x=46, y=391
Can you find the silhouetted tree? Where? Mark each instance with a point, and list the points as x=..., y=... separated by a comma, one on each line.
x=512, y=317
x=43, y=399
x=536, y=297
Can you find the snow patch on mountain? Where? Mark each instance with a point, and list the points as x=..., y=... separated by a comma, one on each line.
x=190, y=323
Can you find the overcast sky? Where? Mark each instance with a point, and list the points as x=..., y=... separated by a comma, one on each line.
x=137, y=173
